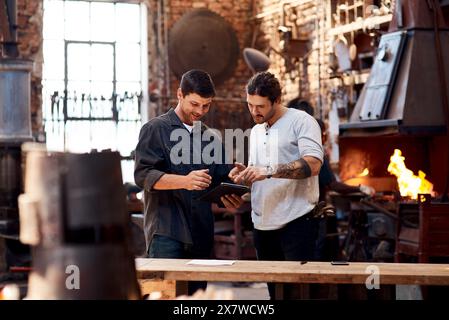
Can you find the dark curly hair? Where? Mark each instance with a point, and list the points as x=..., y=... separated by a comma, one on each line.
x=301, y=104
x=264, y=84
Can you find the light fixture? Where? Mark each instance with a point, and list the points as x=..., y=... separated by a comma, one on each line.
x=256, y=60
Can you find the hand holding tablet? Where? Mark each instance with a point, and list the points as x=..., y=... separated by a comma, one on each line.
x=223, y=189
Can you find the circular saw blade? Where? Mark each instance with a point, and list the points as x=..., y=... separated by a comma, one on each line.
x=204, y=40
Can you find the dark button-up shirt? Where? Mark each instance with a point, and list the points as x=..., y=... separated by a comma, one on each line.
x=174, y=213
x=325, y=178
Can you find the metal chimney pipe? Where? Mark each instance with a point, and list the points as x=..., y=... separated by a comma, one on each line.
x=8, y=14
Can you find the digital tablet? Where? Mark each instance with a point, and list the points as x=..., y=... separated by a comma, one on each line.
x=224, y=188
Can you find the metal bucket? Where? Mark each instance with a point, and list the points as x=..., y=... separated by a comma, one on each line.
x=73, y=214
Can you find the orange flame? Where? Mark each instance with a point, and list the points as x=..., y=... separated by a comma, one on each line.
x=364, y=173
x=410, y=185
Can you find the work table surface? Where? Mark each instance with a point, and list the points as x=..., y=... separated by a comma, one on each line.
x=294, y=272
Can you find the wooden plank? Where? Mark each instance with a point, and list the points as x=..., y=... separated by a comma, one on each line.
x=295, y=272
x=167, y=288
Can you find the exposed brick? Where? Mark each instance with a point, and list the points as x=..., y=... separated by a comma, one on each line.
x=198, y=5
x=30, y=16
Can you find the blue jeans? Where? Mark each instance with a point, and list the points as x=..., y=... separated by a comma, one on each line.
x=167, y=248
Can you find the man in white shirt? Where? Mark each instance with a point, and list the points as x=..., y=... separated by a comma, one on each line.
x=285, y=158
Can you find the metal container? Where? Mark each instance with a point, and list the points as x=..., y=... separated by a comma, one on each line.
x=73, y=214
x=10, y=188
x=15, y=121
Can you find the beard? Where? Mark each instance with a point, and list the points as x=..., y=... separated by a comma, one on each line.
x=264, y=118
x=259, y=119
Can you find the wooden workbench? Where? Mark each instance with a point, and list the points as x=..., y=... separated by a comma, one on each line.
x=170, y=275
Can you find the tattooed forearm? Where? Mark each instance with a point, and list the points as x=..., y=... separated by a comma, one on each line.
x=298, y=169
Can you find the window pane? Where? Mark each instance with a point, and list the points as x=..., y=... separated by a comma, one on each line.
x=102, y=21
x=102, y=104
x=128, y=22
x=77, y=20
x=78, y=61
x=53, y=67
x=128, y=62
x=127, y=136
x=103, y=135
x=54, y=131
x=128, y=171
x=83, y=136
x=102, y=62
x=129, y=108
x=53, y=19
x=52, y=108
x=90, y=75
x=130, y=87
x=78, y=136
x=77, y=102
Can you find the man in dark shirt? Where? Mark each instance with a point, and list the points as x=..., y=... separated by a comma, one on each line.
x=170, y=168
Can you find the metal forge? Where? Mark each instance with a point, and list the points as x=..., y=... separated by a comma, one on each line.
x=404, y=105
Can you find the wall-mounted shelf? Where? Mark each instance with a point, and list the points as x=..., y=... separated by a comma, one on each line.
x=360, y=24
x=354, y=78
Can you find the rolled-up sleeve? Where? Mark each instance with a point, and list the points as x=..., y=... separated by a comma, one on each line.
x=309, y=138
x=149, y=157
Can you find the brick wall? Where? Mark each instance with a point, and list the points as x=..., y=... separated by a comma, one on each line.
x=229, y=108
x=301, y=17
x=30, y=16
x=256, y=25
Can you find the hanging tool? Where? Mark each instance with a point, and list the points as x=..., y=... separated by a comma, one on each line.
x=89, y=100
x=139, y=105
x=54, y=100
x=83, y=98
